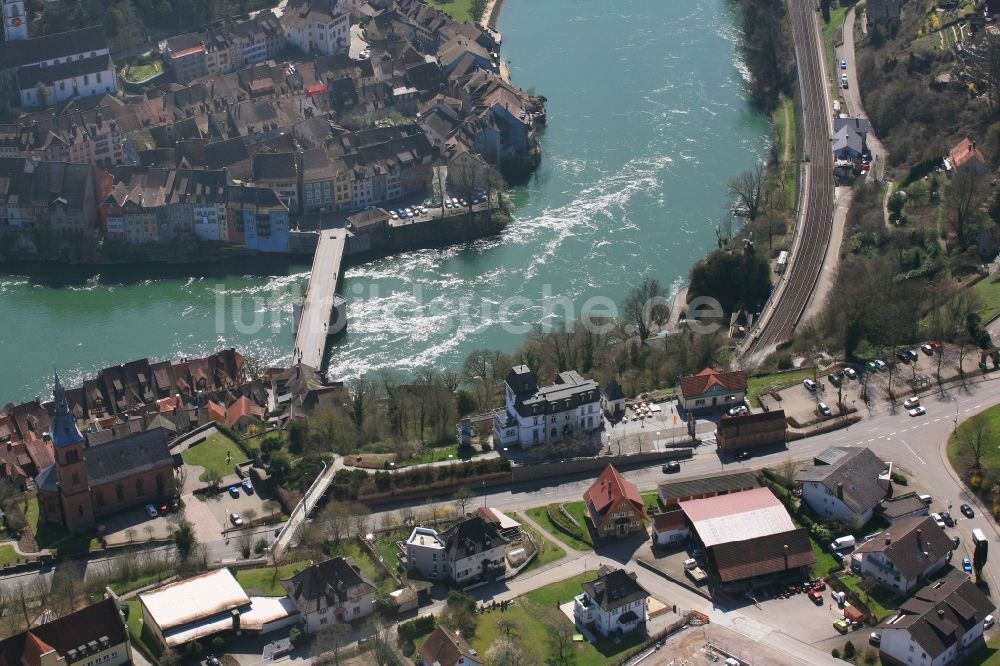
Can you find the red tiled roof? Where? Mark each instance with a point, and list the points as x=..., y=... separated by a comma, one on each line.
x=166, y=404
x=216, y=412
x=243, y=407
x=671, y=520
x=609, y=488
x=707, y=378
x=963, y=152
x=316, y=88
x=739, y=560
x=34, y=648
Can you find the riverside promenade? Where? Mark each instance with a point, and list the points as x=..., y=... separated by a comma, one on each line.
x=323, y=312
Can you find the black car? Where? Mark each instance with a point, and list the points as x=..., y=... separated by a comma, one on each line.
x=967, y=511
x=212, y=660
x=743, y=455
x=955, y=541
x=834, y=379
x=948, y=520
x=903, y=356
x=672, y=466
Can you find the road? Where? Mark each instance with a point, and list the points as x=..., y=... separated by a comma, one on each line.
x=851, y=97
x=815, y=224
x=314, y=319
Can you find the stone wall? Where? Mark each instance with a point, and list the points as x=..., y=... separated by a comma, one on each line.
x=519, y=473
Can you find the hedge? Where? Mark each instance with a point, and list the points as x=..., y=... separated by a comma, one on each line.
x=417, y=627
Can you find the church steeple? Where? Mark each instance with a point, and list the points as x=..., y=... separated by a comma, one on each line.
x=64, y=428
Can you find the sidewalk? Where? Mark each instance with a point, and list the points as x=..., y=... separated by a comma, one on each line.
x=301, y=511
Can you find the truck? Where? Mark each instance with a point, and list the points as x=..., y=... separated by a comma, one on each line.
x=981, y=549
x=782, y=264
x=697, y=574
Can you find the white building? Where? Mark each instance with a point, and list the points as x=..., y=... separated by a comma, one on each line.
x=468, y=551
x=568, y=408
x=15, y=22
x=64, y=65
x=612, y=605
x=334, y=591
x=317, y=25
x=845, y=484
x=670, y=527
x=941, y=624
x=906, y=554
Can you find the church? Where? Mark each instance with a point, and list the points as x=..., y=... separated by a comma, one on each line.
x=88, y=482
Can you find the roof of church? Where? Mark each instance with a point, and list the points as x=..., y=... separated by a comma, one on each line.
x=64, y=428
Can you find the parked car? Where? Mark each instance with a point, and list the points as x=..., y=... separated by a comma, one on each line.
x=955, y=540
x=235, y=518
x=937, y=519
x=816, y=596
x=671, y=467
x=234, y=491
x=739, y=409
x=911, y=403
x=967, y=511
x=927, y=349
x=743, y=455
x=851, y=373
x=247, y=485
x=875, y=638
x=903, y=356
x=871, y=366
x=151, y=511
x=841, y=625
x=212, y=660
x=917, y=411
x=948, y=520
x=966, y=565
x=912, y=353
x=987, y=622
x=163, y=509
x=809, y=384
x=824, y=409
x=843, y=81
x=834, y=379
x=881, y=365
x=843, y=64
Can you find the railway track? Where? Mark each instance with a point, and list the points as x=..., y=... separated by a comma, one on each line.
x=815, y=224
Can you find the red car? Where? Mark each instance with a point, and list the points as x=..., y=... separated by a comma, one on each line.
x=816, y=596
x=819, y=586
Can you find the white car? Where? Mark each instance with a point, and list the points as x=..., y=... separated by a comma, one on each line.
x=851, y=373
x=917, y=411
x=809, y=384
x=881, y=365
x=843, y=81
x=911, y=403
x=824, y=409
x=235, y=518
x=938, y=520
x=151, y=511
x=394, y=215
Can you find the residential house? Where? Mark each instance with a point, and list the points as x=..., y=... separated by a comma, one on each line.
x=245, y=416
x=612, y=605
x=965, y=156
x=445, y=647
x=905, y=555
x=568, y=408
x=902, y=506
x=278, y=171
x=941, y=624
x=614, y=505
x=258, y=219
x=56, y=194
x=670, y=527
x=613, y=400
x=95, y=634
x=847, y=144
x=845, y=484
x=748, y=432
x=712, y=390
x=334, y=591
x=470, y=550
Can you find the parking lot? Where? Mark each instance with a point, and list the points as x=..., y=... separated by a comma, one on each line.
x=800, y=616
x=210, y=515
x=136, y=525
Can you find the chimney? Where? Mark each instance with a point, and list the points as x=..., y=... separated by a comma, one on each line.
x=920, y=534
x=786, y=549
x=840, y=491
x=888, y=538
x=972, y=146
x=940, y=613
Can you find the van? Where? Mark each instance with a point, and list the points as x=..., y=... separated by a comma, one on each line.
x=690, y=563
x=926, y=499
x=844, y=542
x=809, y=384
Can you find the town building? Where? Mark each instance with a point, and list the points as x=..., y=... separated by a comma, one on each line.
x=941, y=624
x=95, y=634
x=85, y=482
x=257, y=219
x=711, y=390
x=613, y=605
x=447, y=648
x=905, y=555
x=317, y=26
x=672, y=493
x=62, y=66
x=568, y=408
x=965, y=156
x=882, y=12
x=749, y=432
x=748, y=534
x=211, y=604
x=334, y=591
x=845, y=484
x=15, y=21
x=670, y=527
x=471, y=550
x=848, y=145
x=613, y=400
x=186, y=55
x=614, y=505
x=902, y=506
x=56, y=194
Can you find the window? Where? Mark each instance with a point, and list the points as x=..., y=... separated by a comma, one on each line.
x=79, y=508
x=98, y=75
x=357, y=609
x=138, y=487
x=62, y=85
x=120, y=492
x=76, y=478
x=86, y=79
x=322, y=620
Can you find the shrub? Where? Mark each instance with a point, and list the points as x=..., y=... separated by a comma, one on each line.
x=849, y=650
x=899, y=478
x=409, y=648
x=296, y=637
x=218, y=645
x=194, y=650
x=421, y=625
x=260, y=546
x=835, y=653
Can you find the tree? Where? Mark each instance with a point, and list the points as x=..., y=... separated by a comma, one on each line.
x=560, y=642
x=184, y=540
x=646, y=305
x=747, y=190
x=849, y=651
x=505, y=651
x=962, y=199
x=42, y=93
x=330, y=642
x=973, y=437
x=460, y=613
x=298, y=435
x=462, y=497
x=212, y=478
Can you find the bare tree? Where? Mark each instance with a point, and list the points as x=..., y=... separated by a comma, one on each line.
x=560, y=642
x=646, y=305
x=747, y=190
x=250, y=514
x=973, y=438
x=330, y=642
x=962, y=199
x=462, y=498
x=505, y=651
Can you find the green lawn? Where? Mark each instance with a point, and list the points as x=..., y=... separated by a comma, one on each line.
x=385, y=544
x=578, y=540
x=211, y=454
x=880, y=601
x=989, y=293
x=523, y=617
x=831, y=30
x=351, y=548
x=961, y=459
x=989, y=655
x=548, y=552
x=777, y=381
x=460, y=10
x=8, y=555
x=32, y=513
x=141, y=637
x=138, y=72
x=265, y=580
x=785, y=136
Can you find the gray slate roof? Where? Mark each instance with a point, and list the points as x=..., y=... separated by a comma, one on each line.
x=847, y=139
x=59, y=45
x=708, y=483
x=912, y=544
x=614, y=588
x=894, y=508
x=136, y=453
x=328, y=584
x=856, y=468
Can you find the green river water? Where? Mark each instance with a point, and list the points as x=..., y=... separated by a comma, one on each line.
x=647, y=121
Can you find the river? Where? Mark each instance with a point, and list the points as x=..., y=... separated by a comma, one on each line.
x=647, y=121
